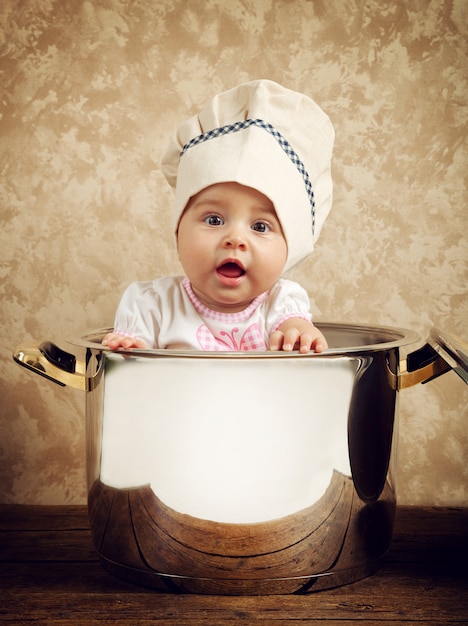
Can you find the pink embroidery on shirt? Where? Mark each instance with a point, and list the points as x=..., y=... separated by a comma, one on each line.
x=252, y=339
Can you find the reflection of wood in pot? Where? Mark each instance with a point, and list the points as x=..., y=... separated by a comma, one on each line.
x=333, y=542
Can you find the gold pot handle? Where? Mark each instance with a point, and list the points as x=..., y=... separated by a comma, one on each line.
x=441, y=353
x=48, y=360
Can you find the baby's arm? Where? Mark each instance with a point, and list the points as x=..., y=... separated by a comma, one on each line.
x=297, y=331
x=114, y=341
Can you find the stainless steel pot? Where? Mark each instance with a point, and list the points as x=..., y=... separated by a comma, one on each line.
x=245, y=473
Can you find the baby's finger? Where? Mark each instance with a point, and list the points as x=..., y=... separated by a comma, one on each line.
x=139, y=343
x=319, y=344
x=305, y=345
x=111, y=340
x=276, y=340
x=290, y=339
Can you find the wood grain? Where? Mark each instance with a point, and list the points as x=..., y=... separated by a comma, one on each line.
x=50, y=574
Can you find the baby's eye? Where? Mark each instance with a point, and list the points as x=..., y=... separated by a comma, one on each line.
x=214, y=220
x=261, y=227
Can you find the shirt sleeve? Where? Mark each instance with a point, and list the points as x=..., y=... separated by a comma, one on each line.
x=138, y=313
x=287, y=300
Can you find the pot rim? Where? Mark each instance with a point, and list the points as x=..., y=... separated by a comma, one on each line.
x=380, y=338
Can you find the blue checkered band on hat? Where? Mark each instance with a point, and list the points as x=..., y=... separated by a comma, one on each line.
x=285, y=145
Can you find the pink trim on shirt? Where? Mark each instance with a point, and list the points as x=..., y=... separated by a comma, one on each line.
x=226, y=318
x=124, y=333
x=289, y=316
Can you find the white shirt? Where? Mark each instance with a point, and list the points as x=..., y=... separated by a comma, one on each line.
x=165, y=313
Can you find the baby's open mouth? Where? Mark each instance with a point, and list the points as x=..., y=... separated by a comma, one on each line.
x=230, y=270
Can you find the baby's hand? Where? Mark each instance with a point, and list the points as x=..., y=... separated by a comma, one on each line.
x=297, y=333
x=114, y=341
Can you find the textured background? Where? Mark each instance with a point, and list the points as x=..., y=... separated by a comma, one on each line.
x=91, y=90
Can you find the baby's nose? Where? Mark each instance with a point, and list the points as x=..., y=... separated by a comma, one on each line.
x=235, y=235
x=235, y=240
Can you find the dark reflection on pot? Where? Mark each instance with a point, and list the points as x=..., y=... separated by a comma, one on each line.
x=370, y=423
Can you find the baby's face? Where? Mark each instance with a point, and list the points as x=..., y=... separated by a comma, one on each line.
x=231, y=245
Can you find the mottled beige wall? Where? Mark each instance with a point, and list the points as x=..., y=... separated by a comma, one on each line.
x=90, y=92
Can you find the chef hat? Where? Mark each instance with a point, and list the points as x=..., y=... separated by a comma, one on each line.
x=264, y=136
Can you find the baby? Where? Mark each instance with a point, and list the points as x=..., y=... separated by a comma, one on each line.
x=252, y=190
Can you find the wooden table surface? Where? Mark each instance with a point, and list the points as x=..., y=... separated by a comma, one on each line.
x=50, y=574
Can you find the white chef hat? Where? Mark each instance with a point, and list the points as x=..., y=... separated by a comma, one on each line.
x=264, y=136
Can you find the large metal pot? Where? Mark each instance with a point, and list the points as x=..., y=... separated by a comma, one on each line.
x=245, y=473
